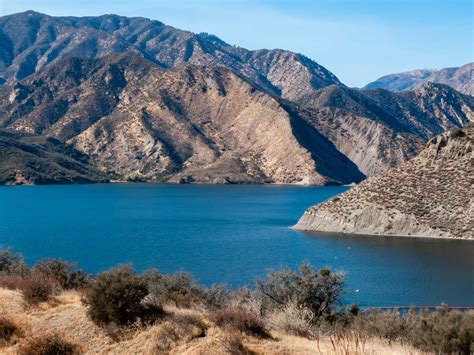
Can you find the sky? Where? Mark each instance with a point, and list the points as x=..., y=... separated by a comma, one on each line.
x=358, y=40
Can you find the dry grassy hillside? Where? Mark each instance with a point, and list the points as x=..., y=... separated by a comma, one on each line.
x=182, y=331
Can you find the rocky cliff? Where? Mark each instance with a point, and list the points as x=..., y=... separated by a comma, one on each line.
x=429, y=196
x=459, y=78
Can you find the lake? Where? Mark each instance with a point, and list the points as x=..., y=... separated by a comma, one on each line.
x=227, y=234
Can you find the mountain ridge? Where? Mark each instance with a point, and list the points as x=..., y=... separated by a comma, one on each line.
x=460, y=78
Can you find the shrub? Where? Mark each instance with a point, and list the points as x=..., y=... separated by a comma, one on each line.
x=293, y=319
x=182, y=290
x=438, y=332
x=240, y=320
x=50, y=344
x=118, y=296
x=37, y=288
x=64, y=273
x=12, y=263
x=9, y=332
x=182, y=328
x=246, y=299
x=317, y=290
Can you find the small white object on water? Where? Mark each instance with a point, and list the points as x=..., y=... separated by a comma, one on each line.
x=357, y=290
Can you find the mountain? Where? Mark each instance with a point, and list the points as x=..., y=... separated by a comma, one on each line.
x=459, y=78
x=27, y=159
x=29, y=41
x=429, y=196
x=378, y=129
x=139, y=98
x=187, y=124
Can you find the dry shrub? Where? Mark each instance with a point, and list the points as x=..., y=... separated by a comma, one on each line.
x=9, y=332
x=317, y=290
x=240, y=320
x=66, y=275
x=181, y=328
x=348, y=342
x=232, y=344
x=246, y=299
x=37, y=288
x=11, y=282
x=119, y=296
x=438, y=332
x=48, y=344
x=293, y=319
x=180, y=289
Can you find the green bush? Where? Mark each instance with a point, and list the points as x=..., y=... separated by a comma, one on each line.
x=12, y=263
x=317, y=290
x=119, y=296
x=64, y=273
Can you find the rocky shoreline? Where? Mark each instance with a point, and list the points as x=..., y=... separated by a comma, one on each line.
x=429, y=196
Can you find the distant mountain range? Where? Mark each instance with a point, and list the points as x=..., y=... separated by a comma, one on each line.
x=139, y=100
x=459, y=78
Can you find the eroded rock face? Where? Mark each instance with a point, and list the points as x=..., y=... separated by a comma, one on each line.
x=378, y=129
x=459, y=78
x=187, y=124
x=431, y=195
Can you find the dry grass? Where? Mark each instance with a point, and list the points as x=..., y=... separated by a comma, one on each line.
x=48, y=344
x=190, y=332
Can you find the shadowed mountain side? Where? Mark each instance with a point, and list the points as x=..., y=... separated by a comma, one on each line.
x=26, y=159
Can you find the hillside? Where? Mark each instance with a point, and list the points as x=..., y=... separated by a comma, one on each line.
x=429, y=196
x=378, y=129
x=29, y=41
x=189, y=124
x=185, y=331
x=26, y=159
x=459, y=78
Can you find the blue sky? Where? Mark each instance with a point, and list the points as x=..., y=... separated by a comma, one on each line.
x=358, y=40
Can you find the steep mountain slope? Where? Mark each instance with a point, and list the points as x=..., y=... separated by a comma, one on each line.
x=29, y=41
x=459, y=78
x=429, y=196
x=189, y=124
x=378, y=129
x=26, y=159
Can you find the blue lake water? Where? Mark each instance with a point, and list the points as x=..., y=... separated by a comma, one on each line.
x=226, y=234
